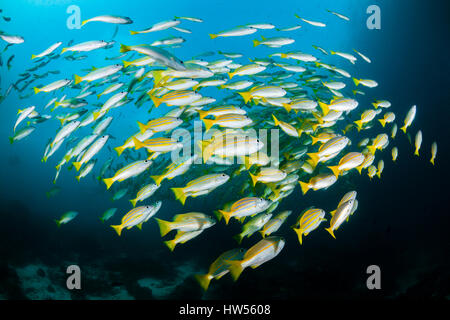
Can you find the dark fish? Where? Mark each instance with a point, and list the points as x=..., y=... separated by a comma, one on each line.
x=7, y=19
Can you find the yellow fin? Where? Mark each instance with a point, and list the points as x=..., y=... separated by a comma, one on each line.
x=203, y=280
x=304, y=186
x=299, y=233
x=179, y=194
x=164, y=226
x=118, y=229
x=108, y=182
x=235, y=268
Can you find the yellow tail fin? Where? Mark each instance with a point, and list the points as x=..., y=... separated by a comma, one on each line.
x=359, y=124
x=231, y=74
x=246, y=96
x=133, y=202
x=256, y=43
x=324, y=107
x=287, y=106
x=124, y=48
x=202, y=113
x=77, y=165
x=118, y=229
x=126, y=64
x=371, y=149
x=416, y=153
x=432, y=161
x=254, y=178
x=142, y=127
x=383, y=122
x=226, y=215
x=108, y=182
x=119, y=150
x=299, y=233
x=275, y=120
x=179, y=194
x=314, y=159
x=208, y=123
x=356, y=81
x=138, y=144
x=304, y=186
x=203, y=280
x=158, y=179
x=164, y=226
x=36, y=90
x=330, y=231
x=235, y=268
x=403, y=128
x=63, y=50
x=213, y=36
x=133, y=32
x=170, y=244
x=33, y=56
x=335, y=170
x=156, y=101
x=78, y=79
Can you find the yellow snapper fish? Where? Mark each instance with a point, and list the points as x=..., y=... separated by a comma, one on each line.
x=219, y=267
x=160, y=144
x=331, y=147
x=161, y=124
x=369, y=158
x=309, y=221
x=287, y=128
x=47, y=51
x=191, y=221
x=338, y=104
x=144, y=193
x=175, y=169
x=252, y=226
x=321, y=181
x=129, y=143
x=90, y=152
x=273, y=42
x=86, y=46
x=378, y=143
x=205, y=183
x=339, y=15
x=363, y=56
x=366, y=117
x=231, y=120
x=350, y=161
x=265, y=250
x=365, y=82
x=380, y=168
x=394, y=131
x=418, y=142
x=274, y=224
x=344, y=55
x=176, y=98
x=245, y=207
x=268, y=174
x=135, y=217
x=371, y=171
x=313, y=23
x=230, y=145
x=263, y=92
x=340, y=215
x=394, y=153
x=381, y=104
x=220, y=111
x=109, y=19
x=433, y=152
x=53, y=86
x=409, y=118
x=99, y=73
x=182, y=237
x=348, y=196
x=247, y=70
x=131, y=170
x=387, y=118
x=163, y=25
x=236, y=32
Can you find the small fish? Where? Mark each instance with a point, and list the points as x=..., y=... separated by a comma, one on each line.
x=109, y=19
x=66, y=218
x=418, y=142
x=309, y=221
x=108, y=214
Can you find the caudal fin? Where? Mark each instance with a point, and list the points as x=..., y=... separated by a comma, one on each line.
x=254, y=178
x=383, y=122
x=164, y=226
x=335, y=170
x=118, y=229
x=158, y=179
x=133, y=202
x=235, y=268
x=330, y=231
x=170, y=244
x=304, y=186
x=179, y=194
x=246, y=96
x=226, y=215
x=299, y=233
x=203, y=280
x=108, y=182
x=213, y=36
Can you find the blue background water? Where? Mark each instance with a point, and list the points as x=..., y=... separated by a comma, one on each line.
x=402, y=220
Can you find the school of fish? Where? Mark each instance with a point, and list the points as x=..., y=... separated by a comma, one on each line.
x=323, y=133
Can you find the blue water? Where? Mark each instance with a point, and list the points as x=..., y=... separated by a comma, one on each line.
x=402, y=220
